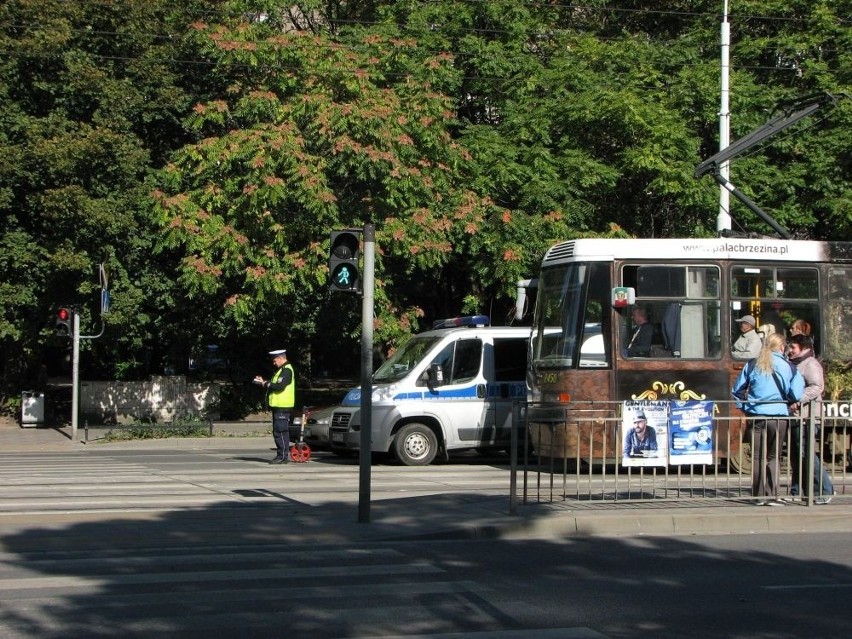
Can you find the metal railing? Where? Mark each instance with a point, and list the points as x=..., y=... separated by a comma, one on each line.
x=574, y=452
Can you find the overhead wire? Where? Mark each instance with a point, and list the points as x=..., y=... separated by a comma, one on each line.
x=618, y=82
x=459, y=55
x=539, y=4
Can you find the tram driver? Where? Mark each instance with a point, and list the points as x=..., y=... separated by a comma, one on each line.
x=643, y=333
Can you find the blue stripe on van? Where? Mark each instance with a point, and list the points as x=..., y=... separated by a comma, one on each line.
x=517, y=390
x=458, y=393
x=492, y=391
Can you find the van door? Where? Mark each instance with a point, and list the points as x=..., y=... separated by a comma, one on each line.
x=463, y=392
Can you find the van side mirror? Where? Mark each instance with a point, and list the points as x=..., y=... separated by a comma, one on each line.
x=434, y=376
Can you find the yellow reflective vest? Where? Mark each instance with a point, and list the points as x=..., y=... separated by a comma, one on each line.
x=286, y=397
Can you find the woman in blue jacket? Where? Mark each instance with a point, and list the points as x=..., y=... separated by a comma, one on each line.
x=764, y=388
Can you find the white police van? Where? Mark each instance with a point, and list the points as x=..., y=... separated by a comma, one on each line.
x=449, y=388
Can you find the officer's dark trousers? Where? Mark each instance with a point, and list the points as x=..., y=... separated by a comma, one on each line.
x=281, y=431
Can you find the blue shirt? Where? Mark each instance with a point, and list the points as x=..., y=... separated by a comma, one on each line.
x=762, y=393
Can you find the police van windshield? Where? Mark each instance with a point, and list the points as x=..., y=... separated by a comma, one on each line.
x=405, y=359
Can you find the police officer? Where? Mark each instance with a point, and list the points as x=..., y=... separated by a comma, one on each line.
x=281, y=396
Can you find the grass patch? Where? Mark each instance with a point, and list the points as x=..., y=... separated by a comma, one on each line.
x=188, y=428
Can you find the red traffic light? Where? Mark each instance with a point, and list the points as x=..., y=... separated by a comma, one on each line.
x=65, y=322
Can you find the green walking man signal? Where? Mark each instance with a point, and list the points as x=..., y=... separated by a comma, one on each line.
x=343, y=261
x=345, y=276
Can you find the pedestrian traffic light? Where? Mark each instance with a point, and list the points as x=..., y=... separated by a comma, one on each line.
x=343, y=260
x=65, y=322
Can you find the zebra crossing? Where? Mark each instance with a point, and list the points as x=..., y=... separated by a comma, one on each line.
x=107, y=480
x=215, y=543
x=216, y=591
x=243, y=591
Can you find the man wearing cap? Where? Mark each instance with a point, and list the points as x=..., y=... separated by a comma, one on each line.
x=748, y=344
x=640, y=438
x=281, y=396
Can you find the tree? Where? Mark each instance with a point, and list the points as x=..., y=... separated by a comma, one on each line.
x=90, y=102
x=222, y=141
x=317, y=133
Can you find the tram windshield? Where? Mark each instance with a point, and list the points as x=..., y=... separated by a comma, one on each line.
x=572, y=326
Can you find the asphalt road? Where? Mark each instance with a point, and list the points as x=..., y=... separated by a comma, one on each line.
x=213, y=542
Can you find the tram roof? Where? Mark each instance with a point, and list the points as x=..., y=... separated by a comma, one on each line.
x=677, y=249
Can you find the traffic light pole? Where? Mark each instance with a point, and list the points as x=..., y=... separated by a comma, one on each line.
x=75, y=377
x=367, y=304
x=68, y=325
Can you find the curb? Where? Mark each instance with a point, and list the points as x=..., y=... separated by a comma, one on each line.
x=625, y=524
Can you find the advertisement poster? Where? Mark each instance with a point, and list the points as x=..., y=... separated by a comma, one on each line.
x=644, y=433
x=692, y=432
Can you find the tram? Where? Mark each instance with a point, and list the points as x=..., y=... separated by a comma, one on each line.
x=691, y=292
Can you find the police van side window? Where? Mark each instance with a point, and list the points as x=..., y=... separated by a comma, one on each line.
x=510, y=359
x=468, y=361
x=460, y=361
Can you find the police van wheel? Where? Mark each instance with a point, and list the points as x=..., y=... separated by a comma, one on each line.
x=415, y=445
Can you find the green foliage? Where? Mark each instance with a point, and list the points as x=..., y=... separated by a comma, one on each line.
x=203, y=151
x=251, y=204
x=180, y=428
x=91, y=95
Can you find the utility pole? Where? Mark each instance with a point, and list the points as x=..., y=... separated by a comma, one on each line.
x=723, y=220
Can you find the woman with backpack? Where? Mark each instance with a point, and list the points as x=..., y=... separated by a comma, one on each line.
x=765, y=388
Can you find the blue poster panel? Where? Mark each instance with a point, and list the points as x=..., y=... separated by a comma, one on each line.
x=692, y=432
x=644, y=433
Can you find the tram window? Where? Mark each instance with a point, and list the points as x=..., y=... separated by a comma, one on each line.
x=573, y=316
x=797, y=284
x=776, y=297
x=702, y=282
x=683, y=307
x=838, y=327
x=840, y=284
x=660, y=281
x=748, y=281
x=561, y=296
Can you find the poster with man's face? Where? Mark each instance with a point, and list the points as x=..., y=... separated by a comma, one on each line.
x=644, y=433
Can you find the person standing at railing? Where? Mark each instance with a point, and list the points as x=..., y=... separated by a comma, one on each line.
x=765, y=387
x=802, y=356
